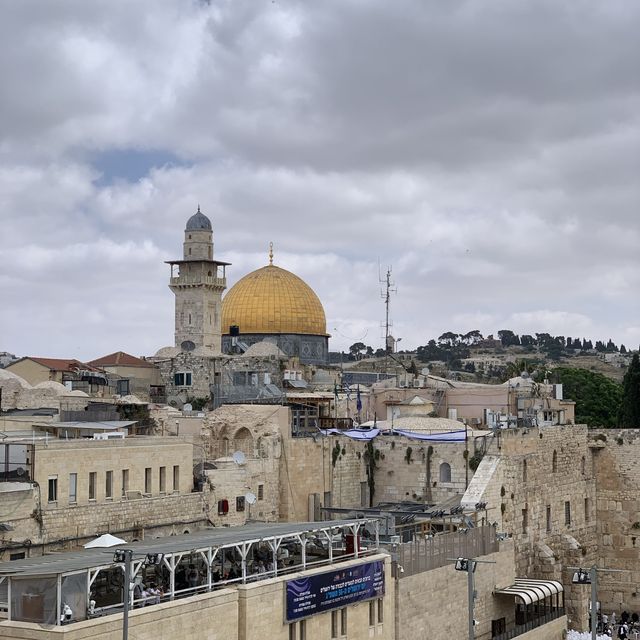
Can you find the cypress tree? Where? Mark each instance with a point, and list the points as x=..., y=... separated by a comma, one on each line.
x=630, y=406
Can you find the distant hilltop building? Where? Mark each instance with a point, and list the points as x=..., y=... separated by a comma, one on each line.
x=274, y=305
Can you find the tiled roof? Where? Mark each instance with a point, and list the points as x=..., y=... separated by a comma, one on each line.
x=120, y=358
x=61, y=364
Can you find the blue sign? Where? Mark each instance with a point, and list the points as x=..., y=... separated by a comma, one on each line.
x=334, y=589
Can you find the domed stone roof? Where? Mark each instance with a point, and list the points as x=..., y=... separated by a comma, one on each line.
x=272, y=300
x=198, y=222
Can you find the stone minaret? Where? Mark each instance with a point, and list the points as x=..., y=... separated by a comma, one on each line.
x=198, y=285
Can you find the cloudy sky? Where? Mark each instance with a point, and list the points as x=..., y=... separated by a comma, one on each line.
x=488, y=150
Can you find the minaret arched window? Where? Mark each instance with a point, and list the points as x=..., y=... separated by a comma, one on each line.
x=554, y=463
x=524, y=471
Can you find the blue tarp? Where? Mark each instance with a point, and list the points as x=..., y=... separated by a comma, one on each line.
x=449, y=436
x=370, y=434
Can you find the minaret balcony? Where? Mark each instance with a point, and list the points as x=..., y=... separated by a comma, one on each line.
x=194, y=281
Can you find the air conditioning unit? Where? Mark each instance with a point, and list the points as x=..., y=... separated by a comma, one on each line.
x=416, y=384
x=113, y=435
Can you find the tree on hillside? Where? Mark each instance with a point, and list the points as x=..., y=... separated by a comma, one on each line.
x=597, y=397
x=630, y=406
x=473, y=337
x=357, y=350
x=508, y=338
x=449, y=339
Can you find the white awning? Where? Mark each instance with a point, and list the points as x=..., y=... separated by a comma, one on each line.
x=530, y=591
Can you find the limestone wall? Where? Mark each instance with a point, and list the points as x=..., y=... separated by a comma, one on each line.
x=616, y=455
x=212, y=616
x=60, y=458
x=542, y=503
x=261, y=611
x=407, y=470
x=433, y=604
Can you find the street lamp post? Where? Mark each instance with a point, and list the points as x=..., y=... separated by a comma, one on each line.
x=469, y=565
x=124, y=556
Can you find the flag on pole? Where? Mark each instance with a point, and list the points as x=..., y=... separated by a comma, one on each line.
x=358, y=400
x=347, y=389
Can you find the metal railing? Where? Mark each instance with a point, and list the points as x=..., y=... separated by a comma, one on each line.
x=519, y=629
x=210, y=280
x=432, y=553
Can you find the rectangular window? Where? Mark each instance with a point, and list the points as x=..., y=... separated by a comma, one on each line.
x=93, y=476
x=176, y=478
x=17, y=556
x=73, y=488
x=525, y=520
x=380, y=610
x=125, y=482
x=567, y=512
x=53, y=489
x=334, y=624
x=240, y=503
x=303, y=630
x=108, y=485
x=372, y=613
x=162, y=483
x=586, y=509
x=260, y=492
x=182, y=379
x=548, y=517
x=147, y=480
x=343, y=622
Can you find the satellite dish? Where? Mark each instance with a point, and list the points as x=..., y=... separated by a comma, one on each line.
x=20, y=471
x=239, y=457
x=187, y=407
x=188, y=345
x=250, y=498
x=425, y=371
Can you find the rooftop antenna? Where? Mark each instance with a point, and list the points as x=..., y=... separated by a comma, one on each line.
x=388, y=288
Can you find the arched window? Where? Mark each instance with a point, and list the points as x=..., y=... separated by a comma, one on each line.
x=524, y=471
x=554, y=463
x=445, y=472
x=243, y=441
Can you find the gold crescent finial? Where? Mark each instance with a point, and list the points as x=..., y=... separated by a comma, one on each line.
x=271, y=253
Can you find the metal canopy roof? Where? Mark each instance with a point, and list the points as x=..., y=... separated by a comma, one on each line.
x=107, y=425
x=62, y=563
x=530, y=591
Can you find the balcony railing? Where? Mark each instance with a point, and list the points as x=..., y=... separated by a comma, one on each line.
x=210, y=280
x=519, y=629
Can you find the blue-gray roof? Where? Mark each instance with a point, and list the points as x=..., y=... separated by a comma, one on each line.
x=198, y=222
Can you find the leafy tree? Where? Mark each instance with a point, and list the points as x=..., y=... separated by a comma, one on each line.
x=357, y=350
x=473, y=337
x=527, y=341
x=630, y=407
x=587, y=345
x=597, y=397
x=611, y=346
x=449, y=339
x=508, y=338
x=623, y=349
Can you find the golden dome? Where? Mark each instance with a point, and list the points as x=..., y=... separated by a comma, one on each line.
x=273, y=300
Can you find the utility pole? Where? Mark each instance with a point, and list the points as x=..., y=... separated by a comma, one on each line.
x=469, y=565
x=124, y=556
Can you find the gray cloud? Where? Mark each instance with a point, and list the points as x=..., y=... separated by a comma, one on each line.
x=489, y=151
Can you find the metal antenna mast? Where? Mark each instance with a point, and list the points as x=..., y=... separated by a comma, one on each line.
x=389, y=288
